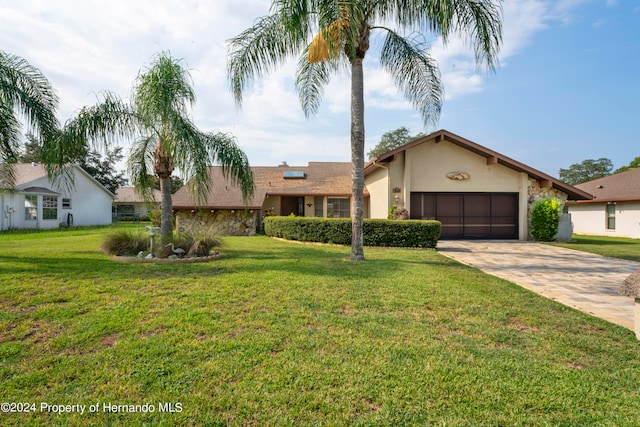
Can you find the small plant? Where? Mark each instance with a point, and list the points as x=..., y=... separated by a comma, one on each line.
x=154, y=216
x=545, y=217
x=125, y=243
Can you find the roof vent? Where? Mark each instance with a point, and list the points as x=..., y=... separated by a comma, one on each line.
x=293, y=175
x=600, y=186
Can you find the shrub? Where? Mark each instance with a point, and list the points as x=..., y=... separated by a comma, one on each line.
x=194, y=242
x=377, y=232
x=126, y=243
x=545, y=217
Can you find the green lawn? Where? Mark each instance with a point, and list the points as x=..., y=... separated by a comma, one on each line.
x=279, y=333
x=617, y=247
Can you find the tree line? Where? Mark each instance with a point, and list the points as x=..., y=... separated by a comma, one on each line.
x=591, y=169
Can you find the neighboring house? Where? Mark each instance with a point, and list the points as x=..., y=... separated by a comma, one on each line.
x=475, y=192
x=35, y=202
x=129, y=204
x=321, y=189
x=615, y=208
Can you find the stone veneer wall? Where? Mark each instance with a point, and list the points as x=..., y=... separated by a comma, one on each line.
x=223, y=222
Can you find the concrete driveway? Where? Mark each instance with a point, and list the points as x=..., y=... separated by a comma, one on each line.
x=584, y=281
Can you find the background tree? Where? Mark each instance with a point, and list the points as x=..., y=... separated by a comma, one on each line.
x=635, y=163
x=25, y=93
x=104, y=170
x=392, y=140
x=32, y=150
x=587, y=170
x=342, y=43
x=165, y=137
x=176, y=183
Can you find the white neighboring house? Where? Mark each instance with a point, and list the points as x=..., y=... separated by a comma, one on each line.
x=614, y=210
x=130, y=204
x=36, y=202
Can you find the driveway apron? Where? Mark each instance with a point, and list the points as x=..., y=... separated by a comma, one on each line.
x=581, y=280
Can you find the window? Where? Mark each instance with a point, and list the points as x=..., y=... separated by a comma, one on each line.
x=319, y=209
x=611, y=216
x=30, y=208
x=66, y=203
x=338, y=207
x=49, y=207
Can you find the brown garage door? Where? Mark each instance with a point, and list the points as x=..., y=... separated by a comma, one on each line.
x=469, y=215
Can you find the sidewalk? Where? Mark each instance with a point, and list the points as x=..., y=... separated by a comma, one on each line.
x=581, y=280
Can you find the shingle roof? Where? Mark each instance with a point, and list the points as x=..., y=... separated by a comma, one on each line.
x=614, y=188
x=130, y=195
x=320, y=179
x=574, y=193
x=24, y=173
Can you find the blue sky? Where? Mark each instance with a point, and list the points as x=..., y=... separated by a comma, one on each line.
x=566, y=90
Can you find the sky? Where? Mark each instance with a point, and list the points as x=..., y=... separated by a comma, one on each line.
x=567, y=87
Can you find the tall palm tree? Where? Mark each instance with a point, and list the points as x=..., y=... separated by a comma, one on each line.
x=166, y=139
x=336, y=34
x=24, y=93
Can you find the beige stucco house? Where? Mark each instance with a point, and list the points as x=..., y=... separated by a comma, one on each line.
x=129, y=204
x=475, y=192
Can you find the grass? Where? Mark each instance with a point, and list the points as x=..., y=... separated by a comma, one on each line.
x=278, y=333
x=616, y=247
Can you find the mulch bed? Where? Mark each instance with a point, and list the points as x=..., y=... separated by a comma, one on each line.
x=185, y=260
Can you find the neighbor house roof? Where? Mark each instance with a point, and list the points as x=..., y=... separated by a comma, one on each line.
x=131, y=195
x=25, y=173
x=623, y=186
x=317, y=178
x=492, y=157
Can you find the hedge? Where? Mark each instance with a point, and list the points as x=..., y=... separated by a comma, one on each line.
x=377, y=232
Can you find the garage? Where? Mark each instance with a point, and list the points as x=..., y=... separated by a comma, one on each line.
x=469, y=215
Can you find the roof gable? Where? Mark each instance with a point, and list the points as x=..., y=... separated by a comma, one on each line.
x=492, y=157
x=617, y=187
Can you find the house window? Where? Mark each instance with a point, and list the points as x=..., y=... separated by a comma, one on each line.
x=30, y=208
x=611, y=216
x=66, y=203
x=319, y=206
x=49, y=207
x=338, y=207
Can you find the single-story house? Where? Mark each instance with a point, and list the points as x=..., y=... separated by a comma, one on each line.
x=614, y=209
x=321, y=189
x=36, y=202
x=130, y=204
x=474, y=191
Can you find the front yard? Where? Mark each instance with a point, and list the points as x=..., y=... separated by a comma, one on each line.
x=279, y=333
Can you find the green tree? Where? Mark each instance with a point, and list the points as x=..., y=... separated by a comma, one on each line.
x=32, y=150
x=104, y=169
x=634, y=164
x=165, y=137
x=342, y=31
x=587, y=170
x=25, y=93
x=392, y=140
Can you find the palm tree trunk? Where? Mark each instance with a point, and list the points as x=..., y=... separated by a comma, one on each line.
x=166, y=219
x=357, y=159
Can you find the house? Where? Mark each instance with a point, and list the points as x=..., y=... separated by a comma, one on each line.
x=321, y=189
x=475, y=192
x=36, y=202
x=129, y=204
x=614, y=209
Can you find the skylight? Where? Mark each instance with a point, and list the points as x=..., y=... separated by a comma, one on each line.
x=293, y=175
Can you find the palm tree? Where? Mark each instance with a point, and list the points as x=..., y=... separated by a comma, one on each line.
x=24, y=92
x=165, y=137
x=342, y=30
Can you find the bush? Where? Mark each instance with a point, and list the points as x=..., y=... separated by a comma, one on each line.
x=545, y=217
x=126, y=243
x=197, y=243
x=377, y=232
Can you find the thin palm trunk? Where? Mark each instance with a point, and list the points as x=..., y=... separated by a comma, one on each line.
x=166, y=219
x=357, y=160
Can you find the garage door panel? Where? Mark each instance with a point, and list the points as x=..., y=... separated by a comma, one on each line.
x=470, y=215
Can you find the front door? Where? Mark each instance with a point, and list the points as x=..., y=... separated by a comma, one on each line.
x=292, y=205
